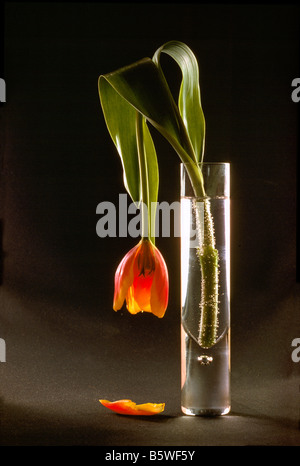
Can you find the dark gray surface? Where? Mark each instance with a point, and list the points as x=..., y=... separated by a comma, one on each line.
x=57, y=369
x=66, y=348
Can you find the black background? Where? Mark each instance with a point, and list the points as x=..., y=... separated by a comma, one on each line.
x=66, y=347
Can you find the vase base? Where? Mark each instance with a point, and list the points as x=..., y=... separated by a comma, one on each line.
x=205, y=412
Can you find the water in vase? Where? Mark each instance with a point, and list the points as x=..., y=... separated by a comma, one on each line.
x=205, y=372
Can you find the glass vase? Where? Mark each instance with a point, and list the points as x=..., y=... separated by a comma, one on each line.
x=205, y=293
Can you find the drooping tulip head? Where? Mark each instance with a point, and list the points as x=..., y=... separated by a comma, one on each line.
x=142, y=279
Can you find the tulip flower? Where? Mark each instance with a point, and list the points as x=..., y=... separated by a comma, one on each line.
x=128, y=407
x=142, y=280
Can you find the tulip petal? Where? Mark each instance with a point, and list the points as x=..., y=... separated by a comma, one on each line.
x=140, y=292
x=160, y=286
x=132, y=305
x=124, y=277
x=128, y=407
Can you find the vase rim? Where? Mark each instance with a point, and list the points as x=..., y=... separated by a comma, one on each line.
x=207, y=163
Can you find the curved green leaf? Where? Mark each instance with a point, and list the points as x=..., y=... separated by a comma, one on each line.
x=120, y=119
x=142, y=87
x=189, y=101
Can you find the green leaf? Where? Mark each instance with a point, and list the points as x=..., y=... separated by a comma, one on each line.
x=189, y=101
x=142, y=87
x=119, y=102
x=120, y=119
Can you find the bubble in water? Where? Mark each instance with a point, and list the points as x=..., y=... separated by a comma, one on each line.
x=205, y=360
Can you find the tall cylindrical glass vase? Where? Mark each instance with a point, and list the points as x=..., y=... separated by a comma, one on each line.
x=205, y=292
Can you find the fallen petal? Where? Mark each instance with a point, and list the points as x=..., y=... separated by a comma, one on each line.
x=128, y=407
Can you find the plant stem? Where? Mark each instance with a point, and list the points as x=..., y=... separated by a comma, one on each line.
x=207, y=254
x=209, y=261
x=145, y=208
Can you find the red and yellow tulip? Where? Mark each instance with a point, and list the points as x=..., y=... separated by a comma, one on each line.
x=142, y=280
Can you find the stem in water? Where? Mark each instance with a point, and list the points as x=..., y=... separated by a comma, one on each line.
x=209, y=262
